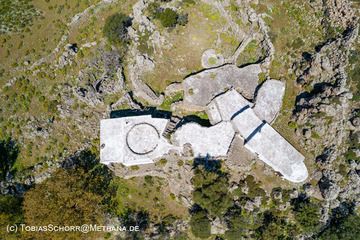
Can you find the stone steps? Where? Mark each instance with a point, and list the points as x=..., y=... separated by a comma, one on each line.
x=171, y=126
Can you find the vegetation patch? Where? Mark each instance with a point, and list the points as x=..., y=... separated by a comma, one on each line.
x=166, y=105
x=148, y=193
x=168, y=17
x=251, y=54
x=115, y=30
x=16, y=15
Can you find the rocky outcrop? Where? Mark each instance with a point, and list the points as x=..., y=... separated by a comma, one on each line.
x=68, y=55
x=339, y=12
x=102, y=76
x=202, y=87
x=139, y=64
x=323, y=113
x=328, y=185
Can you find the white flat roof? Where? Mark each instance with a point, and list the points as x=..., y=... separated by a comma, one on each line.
x=269, y=100
x=213, y=141
x=275, y=151
x=260, y=137
x=132, y=140
x=231, y=103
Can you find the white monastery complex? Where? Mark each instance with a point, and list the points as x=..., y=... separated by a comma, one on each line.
x=135, y=140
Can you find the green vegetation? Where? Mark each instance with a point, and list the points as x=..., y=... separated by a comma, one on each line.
x=75, y=196
x=251, y=54
x=188, y=2
x=142, y=193
x=264, y=220
x=202, y=115
x=144, y=43
x=167, y=16
x=254, y=191
x=347, y=228
x=16, y=15
x=276, y=226
x=307, y=214
x=166, y=104
x=211, y=190
x=135, y=167
x=241, y=223
x=209, y=12
x=162, y=162
x=353, y=144
x=115, y=29
x=200, y=224
x=354, y=72
x=10, y=214
x=211, y=196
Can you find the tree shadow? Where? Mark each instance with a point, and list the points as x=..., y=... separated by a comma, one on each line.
x=155, y=113
x=9, y=151
x=209, y=163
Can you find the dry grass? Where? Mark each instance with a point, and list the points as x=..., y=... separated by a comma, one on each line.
x=188, y=44
x=42, y=37
x=154, y=197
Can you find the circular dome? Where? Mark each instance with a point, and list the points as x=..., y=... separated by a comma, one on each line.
x=142, y=138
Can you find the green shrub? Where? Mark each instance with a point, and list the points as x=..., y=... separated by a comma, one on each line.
x=162, y=162
x=180, y=163
x=149, y=179
x=240, y=222
x=200, y=224
x=211, y=191
x=115, y=29
x=167, y=17
x=10, y=214
x=307, y=214
x=343, y=229
x=135, y=167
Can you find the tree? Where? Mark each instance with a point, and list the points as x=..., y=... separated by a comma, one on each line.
x=307, y=214
x=200, y=224
x=276, y=227
x=10, y=214
x=241, y=223
x=136, y=218
x=167, y=17
x=211, y=190
x=347, y=228
x=115, y=29
x=75, y=195
x=61, y=200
